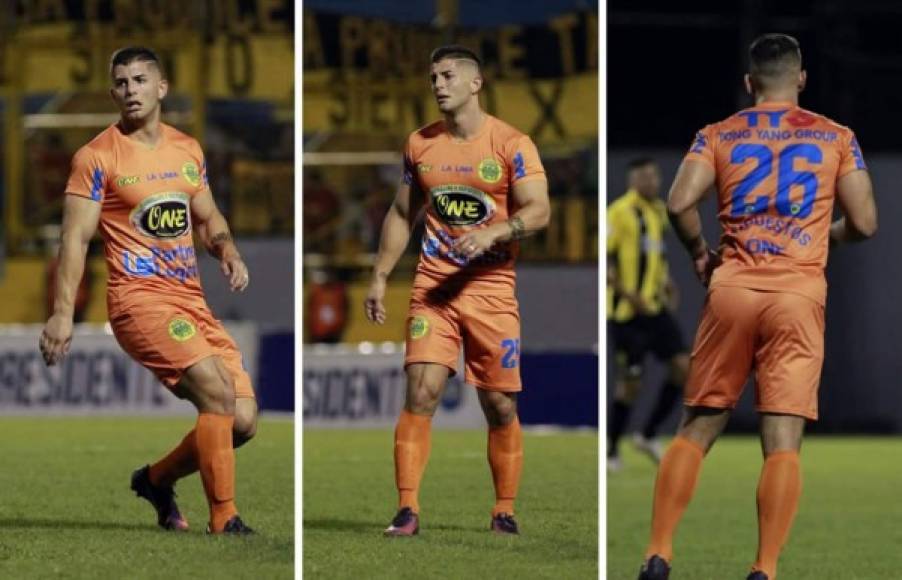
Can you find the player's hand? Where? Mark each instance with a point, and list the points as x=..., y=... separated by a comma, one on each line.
x=705, y=263
x=235, y=270
x=475, y=243
x=56, y=338
x=373, y=304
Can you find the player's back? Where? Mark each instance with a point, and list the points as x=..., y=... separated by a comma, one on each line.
x=776, y=167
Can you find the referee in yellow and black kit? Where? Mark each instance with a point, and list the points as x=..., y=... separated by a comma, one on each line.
x=640, y=298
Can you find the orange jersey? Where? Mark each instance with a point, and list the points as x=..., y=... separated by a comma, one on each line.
x=777, y=166
x=468, y=185
x=145, y=195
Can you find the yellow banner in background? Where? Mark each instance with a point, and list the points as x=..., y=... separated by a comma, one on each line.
x=552, y=111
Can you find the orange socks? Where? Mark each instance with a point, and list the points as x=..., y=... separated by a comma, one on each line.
x=506, y=461
x=216, y=461
x=779, y=490
x=180, y=462
x=677, y=476
x=412, y=442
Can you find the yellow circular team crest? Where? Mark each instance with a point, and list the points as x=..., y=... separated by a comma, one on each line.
x=489, y=170
x=181, y=330
x=191, y=173
x=419, y=327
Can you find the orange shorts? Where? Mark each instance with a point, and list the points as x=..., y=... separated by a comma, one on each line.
x=777, y=334
x=488, y=327
x=168, y=338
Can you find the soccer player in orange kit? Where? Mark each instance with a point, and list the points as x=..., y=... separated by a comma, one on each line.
x=777, y=169
x=144, y=184
x=483, y=188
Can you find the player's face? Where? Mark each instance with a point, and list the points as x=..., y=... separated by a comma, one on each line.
x=137, y=89
x=646, y=180
x=454, y=82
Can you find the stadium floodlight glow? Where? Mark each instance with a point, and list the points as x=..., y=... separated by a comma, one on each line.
x=388, y=347
x=366, y=347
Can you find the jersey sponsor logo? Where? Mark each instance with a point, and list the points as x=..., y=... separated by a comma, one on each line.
x=462, y=205
x=174, y=263
x=519, y=166
x=699, y=144
x=800, y=119
x=191, y=173
x=418, y=327
x=127, y=180
x=489, y=170
x=97, y=184
x=181, y=330
x=162, y=216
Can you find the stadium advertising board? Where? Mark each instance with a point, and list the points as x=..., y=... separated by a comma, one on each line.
x=95, y=377
x=345, y=388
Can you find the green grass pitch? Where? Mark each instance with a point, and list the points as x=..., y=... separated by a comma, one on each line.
x=847, y=526
x=66, y=510
x=349, y=498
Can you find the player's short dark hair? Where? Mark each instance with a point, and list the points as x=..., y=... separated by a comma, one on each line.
x=130, y=54
x=772, y=56
x=638, y=162
x=454, y=51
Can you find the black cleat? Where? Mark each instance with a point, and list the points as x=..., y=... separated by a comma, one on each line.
x=655, y=568
x=161, y=498
x=756, y=575
x=405, y=523
x=504, y=524
x=234, y=527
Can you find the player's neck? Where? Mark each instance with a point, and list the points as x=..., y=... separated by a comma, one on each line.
x=777, y=97
x=147, y=131
x=466, y=122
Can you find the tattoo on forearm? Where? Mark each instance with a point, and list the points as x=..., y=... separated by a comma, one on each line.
x=217, y=242
x=518, y=228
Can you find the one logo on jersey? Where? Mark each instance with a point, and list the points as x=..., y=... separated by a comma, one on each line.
x=461, y=205
x=424, y=168
x=699, y=144
x=127, y=180
x=162, y=216
x=181, y=330
x=489, y=170
x=419, y=327
x=191, y=173
x=800, y=119
x=519, y=166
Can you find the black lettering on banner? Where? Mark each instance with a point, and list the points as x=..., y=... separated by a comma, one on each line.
x=80, y=73
x=341, y=96
x=548, y=108
x=239, y=64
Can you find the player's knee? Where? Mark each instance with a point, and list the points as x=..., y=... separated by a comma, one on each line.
x=422, y=401
x=244, y=430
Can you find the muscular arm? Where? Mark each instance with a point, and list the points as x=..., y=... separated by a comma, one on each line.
x=855, y=195
x=214, y=234
x=211, y=226
x=396, y=228
x=80, y=219
x=532, y=216
x=693, y=180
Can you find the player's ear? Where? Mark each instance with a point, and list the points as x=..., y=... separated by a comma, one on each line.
x=749, y=88
x=476, y=83
x=163, y=88
x=803, y=80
